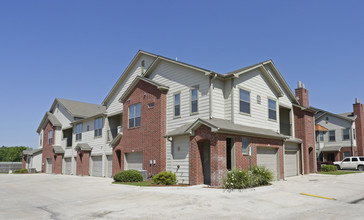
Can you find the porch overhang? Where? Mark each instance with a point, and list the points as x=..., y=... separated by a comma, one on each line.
x=116, y=139
x=335, y=148
x=83, y=147
x=58, y=149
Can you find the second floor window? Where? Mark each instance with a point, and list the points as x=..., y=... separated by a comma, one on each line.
x=244, y=101
x=331, y=135
x=134, y=115
x=98, y=127
x=272, y=109
x=194, y=100
x=50, y=137
x=321, y=136
x=346, y=135
x=177, y=105
x=78, y=132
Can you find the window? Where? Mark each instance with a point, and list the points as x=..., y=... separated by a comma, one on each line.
x=353, y=159
x=194, y=100
x=79, y=132
x=272, y=109
x=347, y=154
x=346, y=159
x=244, y=101
x=361, y=158
x=321, y=136
x=134, y=115
x=346, y=134
x=177, y=105
x=245, y=144
x=331, y=135
x=98, y=127
x=50, y=137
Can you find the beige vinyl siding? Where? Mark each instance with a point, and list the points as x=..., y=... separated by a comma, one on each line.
x=255, y=82
x=181, y=146
x=168, y=155
x=218, y=101
x=40, y=139
x=62, y=115
x=114, y=105
x=182, y=79
x=227, y=98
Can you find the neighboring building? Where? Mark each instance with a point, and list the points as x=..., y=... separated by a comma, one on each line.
x=339, y=135
x=167, y=115
x=32, y=159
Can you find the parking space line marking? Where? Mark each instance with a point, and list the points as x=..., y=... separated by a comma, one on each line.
x=322, y=197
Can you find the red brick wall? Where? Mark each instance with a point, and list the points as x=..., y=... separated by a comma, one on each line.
x=304, y=129
x=359, y=127
x=83, y=163
x=24, y=161
x=148, y=138
x=218, y=154
x=302, y=95
x=48, y=151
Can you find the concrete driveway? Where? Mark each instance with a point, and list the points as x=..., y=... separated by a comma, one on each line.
x=42, y=196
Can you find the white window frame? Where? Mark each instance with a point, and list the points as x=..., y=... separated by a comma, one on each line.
x=343, y=135
x=78, y=132
x=98, y=125
x=275, y=110
x=50, y=137
x=174, y=105
x=194, y=100
x=245, y=101
x=134, y=117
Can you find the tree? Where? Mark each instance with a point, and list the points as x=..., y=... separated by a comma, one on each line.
x=12, y=154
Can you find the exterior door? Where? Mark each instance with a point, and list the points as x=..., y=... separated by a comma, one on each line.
x=68, y=162
x=49, y=165
x=206, y=163
x=345, y=164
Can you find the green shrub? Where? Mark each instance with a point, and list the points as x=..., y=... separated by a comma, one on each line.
x=237, y=179
x=128, y=176
x=165, y=178
x=328, y=168
x=261, y=176
x=241, y=179
x=21, y=171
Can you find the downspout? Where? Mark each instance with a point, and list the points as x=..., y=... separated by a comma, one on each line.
x=351, y=139
x=284, y=153
x=302, y=162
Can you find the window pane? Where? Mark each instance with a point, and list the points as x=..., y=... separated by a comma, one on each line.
x=176, y=110
x=244, y=95
x=272, y=114
x=272, y=104
x=194, y=94
x=354, y=159
x=245, y=143
x=361, y=158
x=131, y=123
x=245, y=107
x=131, y=111
x=177, y=99
x=194, y=106
x=137, y=110
x=346, y=160
x=137, y=121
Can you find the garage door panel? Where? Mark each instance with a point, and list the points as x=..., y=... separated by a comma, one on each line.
x=68, y=162
x=49, y=165
x=267, y=157
x=134, y=161
x=290, y=163
x=97, y=166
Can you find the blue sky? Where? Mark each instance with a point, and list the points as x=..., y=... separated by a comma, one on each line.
x=78, y=49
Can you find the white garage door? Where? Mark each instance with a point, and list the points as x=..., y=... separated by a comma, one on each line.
x=290, y=163
x=134, y=161
x=68, y=162
x=97, y=166
x=109, y=166
x=268, y=157
x=49, y=165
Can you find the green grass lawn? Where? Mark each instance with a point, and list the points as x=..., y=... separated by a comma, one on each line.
x=135, y=183
x=339, y=172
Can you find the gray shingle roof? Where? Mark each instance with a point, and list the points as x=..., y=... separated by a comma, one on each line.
x=31, y=152
x=83, y=147
x=49, y=116
x=81, y=109
x=58, y=149
x=226, y=126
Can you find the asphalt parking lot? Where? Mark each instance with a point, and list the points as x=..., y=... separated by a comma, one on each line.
x=43, y=196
